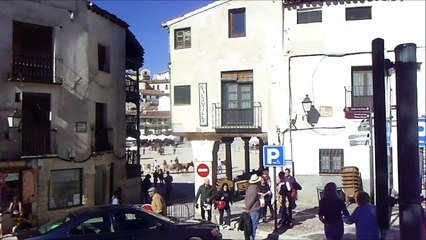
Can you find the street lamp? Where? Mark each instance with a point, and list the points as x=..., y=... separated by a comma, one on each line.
x=312, y=114
x=14, y=119
x=307, y=104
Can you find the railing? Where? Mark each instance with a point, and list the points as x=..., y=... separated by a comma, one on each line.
x=237, y=118
x=36, y=69
x=357, y=101
x=181, y=208
x=38, y=142
x=102, y=139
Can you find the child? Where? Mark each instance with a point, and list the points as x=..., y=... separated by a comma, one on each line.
x=364, y=217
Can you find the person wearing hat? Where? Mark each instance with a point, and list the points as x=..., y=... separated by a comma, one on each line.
x=158, y=204
x=252, y=203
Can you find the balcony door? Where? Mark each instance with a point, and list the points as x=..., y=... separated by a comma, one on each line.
x=36, y=133
x=32, y=53
x=237, y=104
x=101, y=130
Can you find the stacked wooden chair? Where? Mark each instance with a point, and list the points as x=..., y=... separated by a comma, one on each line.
x=351, y=182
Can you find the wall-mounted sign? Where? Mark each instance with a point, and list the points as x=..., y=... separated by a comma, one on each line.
x=202, y=91
x=81, y=127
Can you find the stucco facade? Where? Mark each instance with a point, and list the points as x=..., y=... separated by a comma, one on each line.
x=290, y=60
x=84, y=104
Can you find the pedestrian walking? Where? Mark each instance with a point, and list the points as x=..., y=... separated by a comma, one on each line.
x=223, y=202
x=155, y=176
x=364, y=217
x=330, y=211
x=158, y=204
x=174, y=150
x=16, y=209
x=114, y=199
x=205, y=193
x=146, y=184
x=268, y=201
x=219, y=167
x=252, y=203
x=288, y=192
x=168, y=181
x=265, y=196
x=161, y=176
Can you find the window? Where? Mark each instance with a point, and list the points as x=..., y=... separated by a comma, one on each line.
x=93, y=226
x=65, y=188
x=362, y=86
x=237, y=97
x=182, y=95
x=237, y=22
x=331, y=160
x=358, y=13
x=183, y=38
x=130, y=220
x=310, y=15
x=103, y=58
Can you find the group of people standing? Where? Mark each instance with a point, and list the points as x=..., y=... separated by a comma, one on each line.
x=258, y=199
x=164, y=180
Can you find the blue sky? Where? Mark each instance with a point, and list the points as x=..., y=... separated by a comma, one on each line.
x=145, y=18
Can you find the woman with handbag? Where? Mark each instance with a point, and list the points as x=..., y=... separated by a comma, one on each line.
x=265, y=196
x=222, y=201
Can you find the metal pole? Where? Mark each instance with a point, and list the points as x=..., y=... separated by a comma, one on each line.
x=275, y=202
x=372, y=194
x=382, y=195
x=410, y=209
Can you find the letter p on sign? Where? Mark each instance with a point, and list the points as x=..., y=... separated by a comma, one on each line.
x=273, y=156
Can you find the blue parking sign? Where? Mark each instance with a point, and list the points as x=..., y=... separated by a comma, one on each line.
x=273, y=156
x=422, y=132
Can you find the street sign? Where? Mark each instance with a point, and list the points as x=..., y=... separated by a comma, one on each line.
x=357, y=109
x=357, y=115
x=364, y=142
x=361, y=135
x=273, y=156
x=364, y=125
x=422, y=132
x=357, y=112
x=203, y=170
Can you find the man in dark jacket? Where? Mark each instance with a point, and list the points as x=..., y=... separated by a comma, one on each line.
x=205, y=192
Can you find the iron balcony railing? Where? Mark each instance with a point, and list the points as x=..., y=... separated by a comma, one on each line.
x=249, y=117
x=352, y=100
x=38, y=142
x=102, y=138
x=37, y=69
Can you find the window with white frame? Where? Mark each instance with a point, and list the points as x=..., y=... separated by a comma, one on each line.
x=182, y=38
x=362, y=86
x=310, y=15
x=331, y=161
x=65, y=188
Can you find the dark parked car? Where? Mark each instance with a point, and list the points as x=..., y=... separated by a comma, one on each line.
x=122, y=222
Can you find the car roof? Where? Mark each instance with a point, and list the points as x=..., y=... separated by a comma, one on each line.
x=97, y=209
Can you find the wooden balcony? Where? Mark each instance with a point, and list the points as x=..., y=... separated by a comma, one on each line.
x=36, y=69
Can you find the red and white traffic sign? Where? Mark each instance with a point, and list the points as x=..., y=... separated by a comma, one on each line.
x=203, y=170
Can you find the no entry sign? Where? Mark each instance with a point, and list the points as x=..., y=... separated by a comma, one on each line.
x=203, y=170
